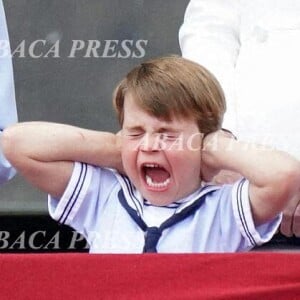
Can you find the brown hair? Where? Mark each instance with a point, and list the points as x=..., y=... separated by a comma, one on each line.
x=174, y=86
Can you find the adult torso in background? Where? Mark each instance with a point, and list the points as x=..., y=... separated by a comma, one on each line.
x=267, y=76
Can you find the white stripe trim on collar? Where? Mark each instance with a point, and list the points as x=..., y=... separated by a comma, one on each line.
x=136, y=201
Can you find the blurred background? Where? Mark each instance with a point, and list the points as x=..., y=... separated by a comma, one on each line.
x=69, y=55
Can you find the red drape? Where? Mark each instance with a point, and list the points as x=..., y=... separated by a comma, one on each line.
x=150, y=276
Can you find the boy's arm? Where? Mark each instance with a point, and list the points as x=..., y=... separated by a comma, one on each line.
x=44, y=152
x=274, y=176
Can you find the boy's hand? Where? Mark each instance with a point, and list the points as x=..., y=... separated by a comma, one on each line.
x=226, y=177
x=210, y=169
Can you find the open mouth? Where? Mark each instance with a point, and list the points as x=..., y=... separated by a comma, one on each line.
x=156, y=176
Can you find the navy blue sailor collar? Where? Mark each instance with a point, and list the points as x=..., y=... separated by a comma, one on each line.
x=136, y=201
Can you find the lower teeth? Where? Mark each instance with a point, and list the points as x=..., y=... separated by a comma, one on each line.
x=156, y=184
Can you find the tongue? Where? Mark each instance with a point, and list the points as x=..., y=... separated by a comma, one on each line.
x=157, y=174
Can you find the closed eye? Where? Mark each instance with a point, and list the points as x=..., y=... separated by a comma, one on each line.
x=169, y=136
x=135, y=135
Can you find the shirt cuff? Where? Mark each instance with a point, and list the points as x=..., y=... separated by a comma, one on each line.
x=255, y=235
x=64, y=209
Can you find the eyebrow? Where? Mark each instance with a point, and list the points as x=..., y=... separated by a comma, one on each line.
x=167, y=129
x=134, y=128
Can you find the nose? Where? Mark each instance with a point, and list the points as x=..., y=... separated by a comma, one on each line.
x=151, y=143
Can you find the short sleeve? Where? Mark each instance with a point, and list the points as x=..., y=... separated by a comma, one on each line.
x=83, y=200
x=253, y=235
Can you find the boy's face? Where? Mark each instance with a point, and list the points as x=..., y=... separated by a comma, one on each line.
x=162, y=159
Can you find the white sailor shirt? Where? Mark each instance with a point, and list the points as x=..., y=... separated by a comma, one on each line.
x=223, y=223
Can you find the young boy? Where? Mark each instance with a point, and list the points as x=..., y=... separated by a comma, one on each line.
x=171, y=111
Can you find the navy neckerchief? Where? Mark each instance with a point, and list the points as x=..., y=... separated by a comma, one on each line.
x=134, y=208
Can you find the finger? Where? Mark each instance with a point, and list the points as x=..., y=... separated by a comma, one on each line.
x=207, y=174
x=296, y=221
x=226, y=177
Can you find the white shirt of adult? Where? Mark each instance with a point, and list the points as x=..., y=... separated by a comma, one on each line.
x=8, y=111
x=252, y=47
